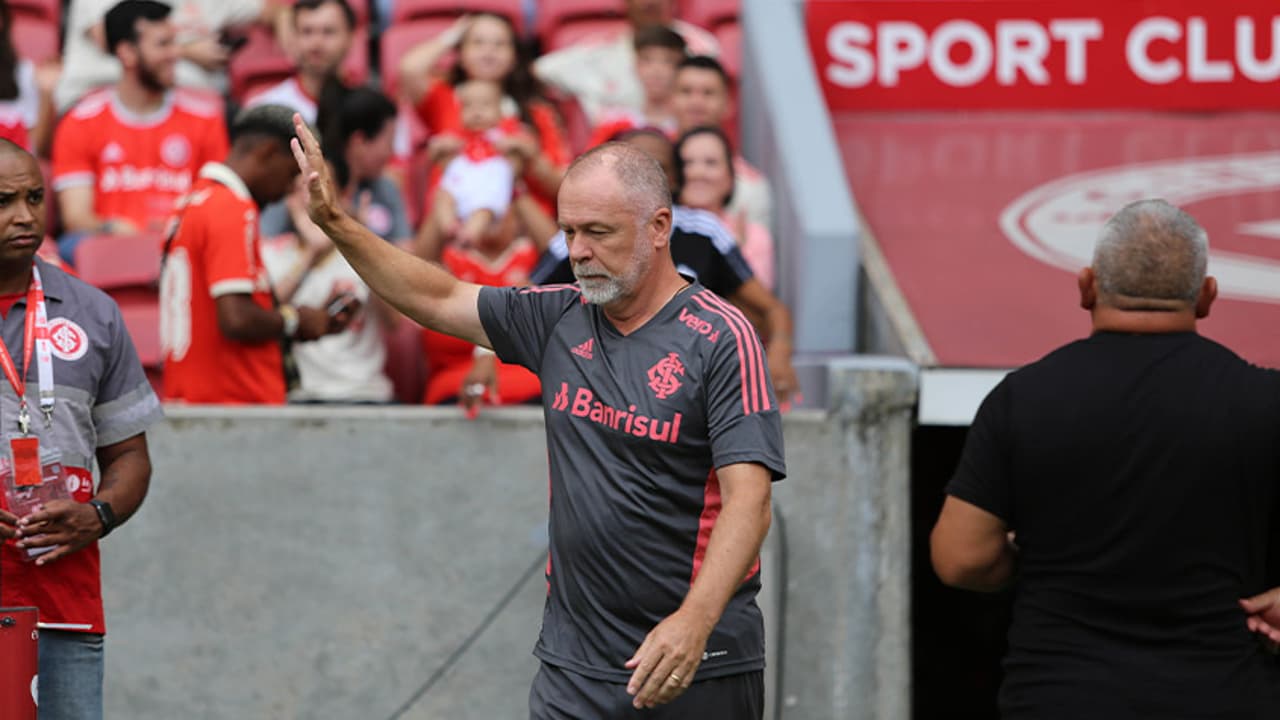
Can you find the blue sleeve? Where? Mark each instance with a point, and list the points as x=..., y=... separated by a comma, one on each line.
x=274, y=220
x=520, y=321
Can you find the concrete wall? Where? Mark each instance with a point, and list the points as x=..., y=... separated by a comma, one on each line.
x=386, y=562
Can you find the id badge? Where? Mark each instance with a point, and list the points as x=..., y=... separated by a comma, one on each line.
x=32, y=476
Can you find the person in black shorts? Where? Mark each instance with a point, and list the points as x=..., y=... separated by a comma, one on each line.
x=663, y=437
x=1126, y=486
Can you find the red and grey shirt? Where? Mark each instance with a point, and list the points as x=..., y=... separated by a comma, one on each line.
x=636, y=427
x=102, y=397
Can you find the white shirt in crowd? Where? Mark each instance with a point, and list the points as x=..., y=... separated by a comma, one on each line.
x=86, y=66
x=348, y=366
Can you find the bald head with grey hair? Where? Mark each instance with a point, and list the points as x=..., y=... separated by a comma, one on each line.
x=1150, y=255
x=640, y=176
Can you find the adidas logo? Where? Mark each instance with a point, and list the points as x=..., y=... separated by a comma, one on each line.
x=584, y=350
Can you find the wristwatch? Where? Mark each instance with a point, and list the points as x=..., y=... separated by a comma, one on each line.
x=290, y=316
x=106, y=515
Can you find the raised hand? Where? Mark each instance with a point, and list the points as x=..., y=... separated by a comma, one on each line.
x=323, y=205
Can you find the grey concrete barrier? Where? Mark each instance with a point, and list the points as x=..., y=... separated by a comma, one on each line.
x=387, y=563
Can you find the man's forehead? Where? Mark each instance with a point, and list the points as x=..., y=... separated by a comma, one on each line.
x=19, y=171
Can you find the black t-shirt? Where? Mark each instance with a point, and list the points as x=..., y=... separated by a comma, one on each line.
x=1141, y=474
x=637, y=425
x=701, y=247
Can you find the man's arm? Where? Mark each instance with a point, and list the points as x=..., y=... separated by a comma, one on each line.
x=971, y=548
x=68, y=525
x=76, y=206
x=753, y=296
x=242, y=320
x=676, y=645
x=427, y=294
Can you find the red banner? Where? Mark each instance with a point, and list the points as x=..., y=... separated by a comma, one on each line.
x=1080, y=54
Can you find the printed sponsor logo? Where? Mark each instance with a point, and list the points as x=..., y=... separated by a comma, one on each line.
x=112, y=153
x=664, y=376
x=68, y=339
x=698, y=325
x=584, y=350
x=584, y=405
x=128, y=178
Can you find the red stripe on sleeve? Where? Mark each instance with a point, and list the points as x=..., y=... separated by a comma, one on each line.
x=706, y=522
x=742, y=353
x=753, y=349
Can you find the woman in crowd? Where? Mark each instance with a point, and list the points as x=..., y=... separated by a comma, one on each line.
x=705, y=180
x=487, y=49
x=26, y=93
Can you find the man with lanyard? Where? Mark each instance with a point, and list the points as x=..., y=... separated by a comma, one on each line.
x=663, y=438
x=94, y=402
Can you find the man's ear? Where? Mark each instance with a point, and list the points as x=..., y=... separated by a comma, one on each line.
x=1088, y=284
x=1208, y=293
x=660, y=226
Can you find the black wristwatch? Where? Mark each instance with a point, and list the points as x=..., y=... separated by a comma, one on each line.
x=106, y=515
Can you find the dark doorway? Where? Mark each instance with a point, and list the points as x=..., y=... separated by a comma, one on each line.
x=958, y=637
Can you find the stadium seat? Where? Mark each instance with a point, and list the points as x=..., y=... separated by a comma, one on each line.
x=565, y=22
x=406, y=10
x=710, y=14
x=113, y=262
x=35, y=39
x=261, y=63
x=729, y=35
x=406, y=366
x=398, y=39
x=47, y=10
x=141, y=311
x=577, y=126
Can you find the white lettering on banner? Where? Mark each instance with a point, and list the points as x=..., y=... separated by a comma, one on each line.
x=1200, y=67
x=1076, y=36
x=1246, y=55
x=1019, y=49
x=1057, y=223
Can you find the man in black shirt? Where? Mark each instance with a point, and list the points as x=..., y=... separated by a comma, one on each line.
x=1126, y=485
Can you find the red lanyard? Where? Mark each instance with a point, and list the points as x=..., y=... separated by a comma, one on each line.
x=35, y=302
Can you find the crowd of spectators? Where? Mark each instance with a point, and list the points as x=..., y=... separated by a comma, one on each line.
x=453, y=149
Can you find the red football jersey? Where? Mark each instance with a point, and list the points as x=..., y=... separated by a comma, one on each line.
x=214, y=253
x=138, y=166
x=448, y=358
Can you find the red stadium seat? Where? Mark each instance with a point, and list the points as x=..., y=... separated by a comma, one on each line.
x=400, y=38
x=564, y=22
x=141, y=311
x=406, y=366
x=577, y=126
x=729, y=35
x=406, y=10
x=112, y=262
x=35, y=39
x=584, y=31
x=710, y=14
x=47, y=10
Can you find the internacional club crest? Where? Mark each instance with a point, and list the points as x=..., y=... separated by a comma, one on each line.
x=1057, y=223
x=68, y=340
x=664, y=376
